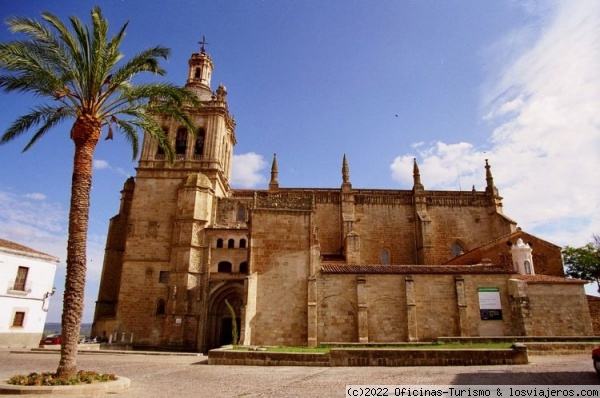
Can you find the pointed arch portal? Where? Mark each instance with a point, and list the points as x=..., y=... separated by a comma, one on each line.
x=220, y=322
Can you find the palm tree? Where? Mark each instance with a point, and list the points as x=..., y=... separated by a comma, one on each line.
x=79, y=74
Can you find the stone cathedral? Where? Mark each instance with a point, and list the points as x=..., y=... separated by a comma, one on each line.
x=188, y=258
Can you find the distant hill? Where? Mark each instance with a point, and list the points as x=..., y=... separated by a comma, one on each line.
x=55, y=328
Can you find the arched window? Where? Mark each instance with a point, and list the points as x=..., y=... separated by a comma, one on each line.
x=199, y=145
x=457, y=250
x=224, y=266
x=161, y=306
x=230, y=243
x=197, y=73
x=242, y=243
x=181, y=141
x=385, y=257
x=219, y=243
x=244, y=267
x=527, y=267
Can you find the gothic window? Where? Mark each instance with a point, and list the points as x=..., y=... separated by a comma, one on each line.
x=385, y=257
x=161, y=306
x=159, y=150
x=199, y=145
x=244, y=267
x=224, y=266
x=242, y=243
x=457, y=250
x=21, y=279
x=19, y=319
x=181, y=141
x=241, y=213
x=230, y=243
x=163, y=277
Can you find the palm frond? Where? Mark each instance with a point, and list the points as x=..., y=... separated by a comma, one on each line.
x=47, y=116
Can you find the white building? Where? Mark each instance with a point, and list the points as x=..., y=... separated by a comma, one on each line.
x=26, y=284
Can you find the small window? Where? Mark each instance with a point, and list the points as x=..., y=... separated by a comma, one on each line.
x=219, y=243
x=181, y=141
x=19, y=319
x=241, y=213
x=21, y=279
x=527, y=267
x=457, y=250
x=244, y=267
x=230, y=243
x=385, y=257
x=161, y=306
x=163, y=277
x=197, y=73
x=224, y=266
x=242, y=243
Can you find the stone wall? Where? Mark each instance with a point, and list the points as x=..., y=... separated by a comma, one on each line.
x=594, y=306
x=280, y=257
x=403, y=307
x=559, y=310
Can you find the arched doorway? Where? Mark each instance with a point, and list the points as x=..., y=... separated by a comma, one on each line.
x=220, y=321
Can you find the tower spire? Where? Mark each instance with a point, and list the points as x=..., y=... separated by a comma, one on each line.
x=274, y=183
x=200, y=72
x=417, y=185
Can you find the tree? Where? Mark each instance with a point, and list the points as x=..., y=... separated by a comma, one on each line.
x=584, y=262
x=79, y=74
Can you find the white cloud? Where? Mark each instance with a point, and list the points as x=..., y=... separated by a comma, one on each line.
x=545, y=139
x=246, y=169
x=35, y=196
x=101, y=164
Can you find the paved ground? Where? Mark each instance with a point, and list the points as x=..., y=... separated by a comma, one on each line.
x=190, y=376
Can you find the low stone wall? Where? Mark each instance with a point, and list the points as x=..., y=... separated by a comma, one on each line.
x=420, y=357
x=373, y=357
x=265, y=358
x=562, y=348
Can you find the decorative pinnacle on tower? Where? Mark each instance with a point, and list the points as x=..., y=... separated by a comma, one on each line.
x=417, y=185
x=345, y=173
x=274, y=183
x=345, y=170
x=490, y=188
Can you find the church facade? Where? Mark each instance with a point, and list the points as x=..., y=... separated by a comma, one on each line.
x=188, y=259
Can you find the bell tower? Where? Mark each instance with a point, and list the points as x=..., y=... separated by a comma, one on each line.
x=209, y=149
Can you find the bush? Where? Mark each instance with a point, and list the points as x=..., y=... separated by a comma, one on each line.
x=50, y=379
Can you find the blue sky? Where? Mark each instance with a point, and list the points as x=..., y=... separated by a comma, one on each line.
x=450, y=83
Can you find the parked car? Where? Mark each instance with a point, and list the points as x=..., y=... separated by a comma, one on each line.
x=51, y=339
x=596, y=358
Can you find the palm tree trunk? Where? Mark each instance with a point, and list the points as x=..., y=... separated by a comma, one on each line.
x=85, y=134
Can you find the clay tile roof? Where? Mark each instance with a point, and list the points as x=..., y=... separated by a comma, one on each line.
x=541, y=279
x=15, y=248
x=413, y=269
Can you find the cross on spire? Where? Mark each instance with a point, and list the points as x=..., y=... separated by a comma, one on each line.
x=203, y=44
